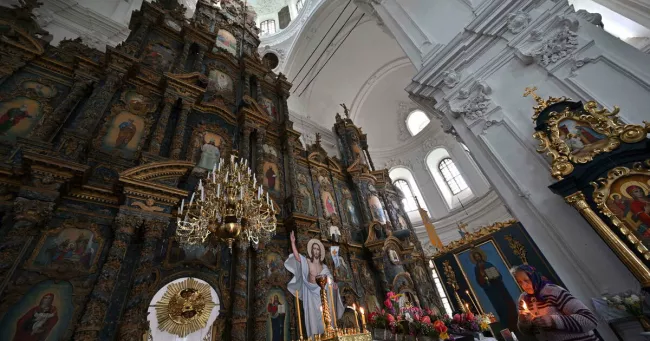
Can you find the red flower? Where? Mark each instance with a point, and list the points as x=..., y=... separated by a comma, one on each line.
x=388, y=303
x=440, y=327
x=426, y=320
x=390, y=318
x=457, y=318
x=469, y=316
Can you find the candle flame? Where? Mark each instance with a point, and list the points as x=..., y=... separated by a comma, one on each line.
x=361, y=310
x=354, y=306
x=525, y=306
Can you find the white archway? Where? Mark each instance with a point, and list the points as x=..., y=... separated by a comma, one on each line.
x=199, y=335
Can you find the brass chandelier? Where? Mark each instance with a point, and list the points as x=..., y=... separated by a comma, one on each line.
x=228, y=205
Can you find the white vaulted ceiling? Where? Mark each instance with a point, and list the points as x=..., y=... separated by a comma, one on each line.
x=368, y=72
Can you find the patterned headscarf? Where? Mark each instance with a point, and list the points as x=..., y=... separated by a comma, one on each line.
x=536, y=278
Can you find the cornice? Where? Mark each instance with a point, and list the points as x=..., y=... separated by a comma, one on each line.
x=431, y=132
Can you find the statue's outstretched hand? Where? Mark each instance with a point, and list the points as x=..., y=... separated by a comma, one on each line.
x=292, y=237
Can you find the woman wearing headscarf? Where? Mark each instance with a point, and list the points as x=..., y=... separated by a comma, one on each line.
x=549, y=312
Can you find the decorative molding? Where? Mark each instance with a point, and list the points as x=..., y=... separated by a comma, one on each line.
x=560, y=44
x=281, y=53
x=577, y=63
x=476, y=107
x=594, y=18
x=404, y=109
x=393, y=162
x=451, y=78
x=518, y=21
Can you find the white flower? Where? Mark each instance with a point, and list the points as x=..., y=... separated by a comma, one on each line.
x=635, y=298
x=628, y=301
x=616, y=299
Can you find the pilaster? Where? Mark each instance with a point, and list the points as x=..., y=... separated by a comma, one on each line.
x=179, y=134
x=92, y=322
x=161, y=126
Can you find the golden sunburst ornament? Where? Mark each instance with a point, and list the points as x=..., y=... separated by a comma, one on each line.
x=185, y=307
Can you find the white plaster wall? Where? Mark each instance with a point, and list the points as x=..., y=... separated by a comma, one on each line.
x=487, y=52
x=439, y=20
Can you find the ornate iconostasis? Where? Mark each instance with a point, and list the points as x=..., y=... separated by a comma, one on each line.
x=475, y=270
x=99, y=150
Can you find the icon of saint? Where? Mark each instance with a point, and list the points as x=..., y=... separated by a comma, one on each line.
x=127, y=131
x=37, y=323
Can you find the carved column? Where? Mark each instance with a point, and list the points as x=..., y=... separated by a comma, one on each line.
x=627, y=256
x=179, y=134
x=239, y=310
x=94, y=313
x=180, y=66
x=198, y=62
x=98, y=102
x=245, y=144
x=161, y=126
x=30, y=216
x=259, y=146
x=133, y=44
x=134, y=321
x=50, y=123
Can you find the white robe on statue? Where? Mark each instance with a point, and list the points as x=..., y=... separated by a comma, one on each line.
x=310, y=295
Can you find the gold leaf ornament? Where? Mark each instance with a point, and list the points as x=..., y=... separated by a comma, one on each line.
x=185, y=307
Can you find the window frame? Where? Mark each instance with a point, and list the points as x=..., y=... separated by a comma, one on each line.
x=267, y=23
x=440, y=289
x=443, y=164
x=410, y=200
x=410, y=116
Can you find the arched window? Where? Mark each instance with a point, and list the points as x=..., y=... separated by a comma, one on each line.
x=416, y=121
x=408, y=201
x=299, y=4
x=452, y=176
x=441, y=290
x=267, y=27
x=404, y=180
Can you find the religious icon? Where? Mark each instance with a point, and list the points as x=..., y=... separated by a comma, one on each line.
x=491, y=281
x=124, y=132
x=18, y=116
x=137, y=103
x=271, y=179
x=159, y=57
x=274, y=264
x=68, y=247
x=393, y=256
x=376, y=209
x=268, y=105
x=43, y=313
x=340, y=265
x=277, y=313
x=306, y=199
x=308, y=290
x=39, y=89
x=629, y=200
x=352, y=212
x=580, y=137
x=226, y=41
x=335, y=233
x=218, y=81
x=209, y=154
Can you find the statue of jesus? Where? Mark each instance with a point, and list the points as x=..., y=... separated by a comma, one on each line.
x=305, y=270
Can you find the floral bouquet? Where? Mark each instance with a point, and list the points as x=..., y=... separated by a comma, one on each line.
x=630, y=302
x=465, y=322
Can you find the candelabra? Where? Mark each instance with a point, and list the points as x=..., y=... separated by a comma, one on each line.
x=229, y=205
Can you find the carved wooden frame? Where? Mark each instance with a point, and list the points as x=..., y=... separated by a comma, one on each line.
x=148, y=48
x=116, y=109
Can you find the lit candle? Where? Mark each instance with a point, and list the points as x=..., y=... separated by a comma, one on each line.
x=192, y=198
x=254, y=182
x=356, y=317
x=525, y=306
x=298, y=313
x=202, y=194
x=218, y=189
x=214, y=177
x=363, y=320
x=467, y=307
x=333, y=306
x=267, y=197
x=182, y=205
x=241, y=193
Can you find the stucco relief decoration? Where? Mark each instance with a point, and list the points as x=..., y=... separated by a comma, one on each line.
x=392, y=163
x=476, y=107
x=559, y=45
x=518, y=21
x=451, y=78
x=403, y=111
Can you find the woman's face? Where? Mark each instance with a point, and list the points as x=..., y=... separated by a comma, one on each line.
x=524, y=282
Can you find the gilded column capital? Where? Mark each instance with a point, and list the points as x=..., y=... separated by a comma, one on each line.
x=577, y=200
